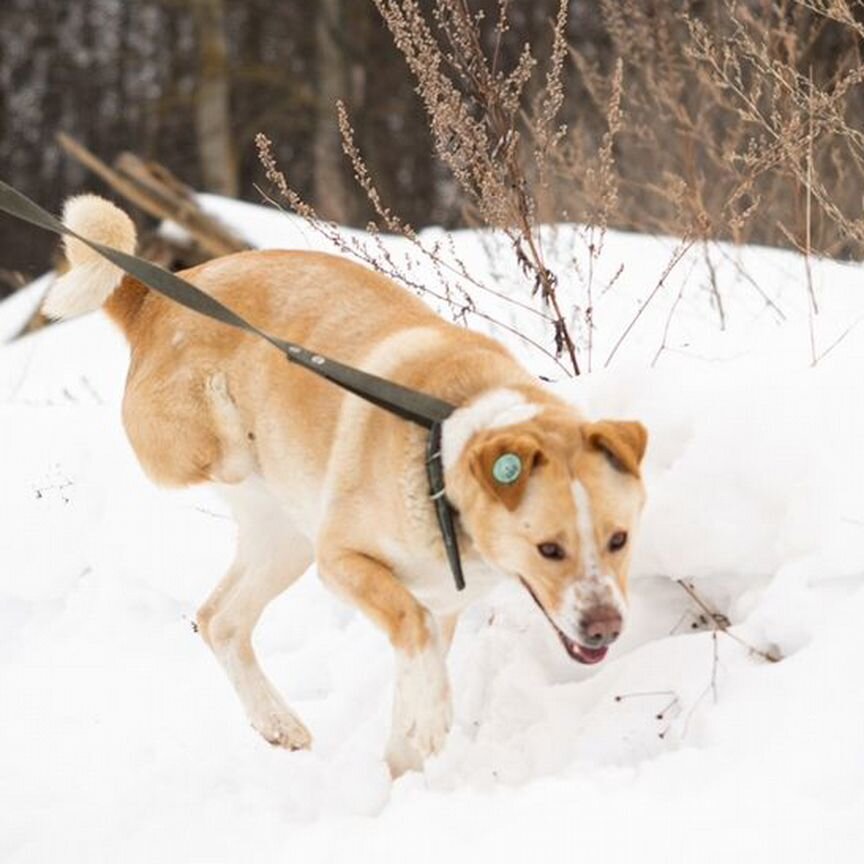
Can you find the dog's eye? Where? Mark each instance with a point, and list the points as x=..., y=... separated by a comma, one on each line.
x=552, y=551
x=617, y=541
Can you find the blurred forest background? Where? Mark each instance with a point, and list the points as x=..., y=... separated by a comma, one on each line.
x=718, y=119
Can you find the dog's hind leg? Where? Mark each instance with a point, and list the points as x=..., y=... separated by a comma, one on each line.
x=271, y=555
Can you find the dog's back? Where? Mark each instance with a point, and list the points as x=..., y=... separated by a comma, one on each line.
x=197, y=390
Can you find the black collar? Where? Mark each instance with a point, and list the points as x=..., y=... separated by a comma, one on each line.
x=443, y=508
x=425, y=410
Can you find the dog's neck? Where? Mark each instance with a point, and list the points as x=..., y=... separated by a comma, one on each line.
x=488, y=393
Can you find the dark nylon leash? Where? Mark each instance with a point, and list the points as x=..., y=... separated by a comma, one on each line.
x=420, y=408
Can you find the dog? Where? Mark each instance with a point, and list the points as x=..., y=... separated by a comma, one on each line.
x=312, y=473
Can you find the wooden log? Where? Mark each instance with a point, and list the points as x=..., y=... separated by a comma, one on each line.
x=157, y=192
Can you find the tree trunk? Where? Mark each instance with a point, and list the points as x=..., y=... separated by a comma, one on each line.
x=212, y=101
x=331, y=198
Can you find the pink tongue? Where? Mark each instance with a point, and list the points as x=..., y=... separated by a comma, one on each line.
x=593, y=655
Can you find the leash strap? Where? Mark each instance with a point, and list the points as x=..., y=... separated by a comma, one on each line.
x=420, y=408
x=409, y=404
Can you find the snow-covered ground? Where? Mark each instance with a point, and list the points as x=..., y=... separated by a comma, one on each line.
x=121, y=740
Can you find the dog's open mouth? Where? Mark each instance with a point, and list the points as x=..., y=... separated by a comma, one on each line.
x=581, y=653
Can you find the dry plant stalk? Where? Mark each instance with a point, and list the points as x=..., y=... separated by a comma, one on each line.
x=719, y=624
x=450, y=271
x=711, y=122
x=475, y=108
x=739, y=121
x=743, y=121
x=485, y=132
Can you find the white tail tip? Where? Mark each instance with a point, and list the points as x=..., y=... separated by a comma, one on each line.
x=91, y=278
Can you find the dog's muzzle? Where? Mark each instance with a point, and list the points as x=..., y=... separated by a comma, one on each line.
x=599, y=627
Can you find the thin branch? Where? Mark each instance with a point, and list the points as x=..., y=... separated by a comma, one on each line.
x=679, y=253
x=721, y=622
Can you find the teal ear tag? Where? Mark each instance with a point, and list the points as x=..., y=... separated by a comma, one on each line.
x=507, y=468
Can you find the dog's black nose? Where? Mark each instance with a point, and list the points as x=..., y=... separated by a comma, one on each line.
x=600, y=626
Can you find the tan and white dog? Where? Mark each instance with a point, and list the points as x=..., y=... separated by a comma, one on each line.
x=315, y=474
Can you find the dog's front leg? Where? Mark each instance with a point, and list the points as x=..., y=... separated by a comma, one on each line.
x=422, y=710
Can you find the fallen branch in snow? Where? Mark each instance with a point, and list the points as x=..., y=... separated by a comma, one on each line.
x=720, y=623
x=159, y=193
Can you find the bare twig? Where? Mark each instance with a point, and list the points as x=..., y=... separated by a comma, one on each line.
x=840, y=338
x=679, y=253
x=380, y=259
x=721, y=622
x=813, y=308
x=712, y=281
x=668, y=324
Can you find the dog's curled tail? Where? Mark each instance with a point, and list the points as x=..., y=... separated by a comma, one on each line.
x=91, y=279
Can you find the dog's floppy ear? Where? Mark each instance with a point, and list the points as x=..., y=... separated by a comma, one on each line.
x=503, y=464
x=621, y=441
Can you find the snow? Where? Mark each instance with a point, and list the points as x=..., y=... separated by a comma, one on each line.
x=121, y=739
x=20, y=307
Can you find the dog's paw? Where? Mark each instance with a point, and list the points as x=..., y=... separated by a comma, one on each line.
x=432, y=722
x=279, y=726
x=422, y=712
x=401, y=757
x=408, y=750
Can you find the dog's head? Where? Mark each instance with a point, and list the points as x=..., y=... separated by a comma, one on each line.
x=555, y=501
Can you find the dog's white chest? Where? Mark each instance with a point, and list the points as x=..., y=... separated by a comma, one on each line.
x=431, y=581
